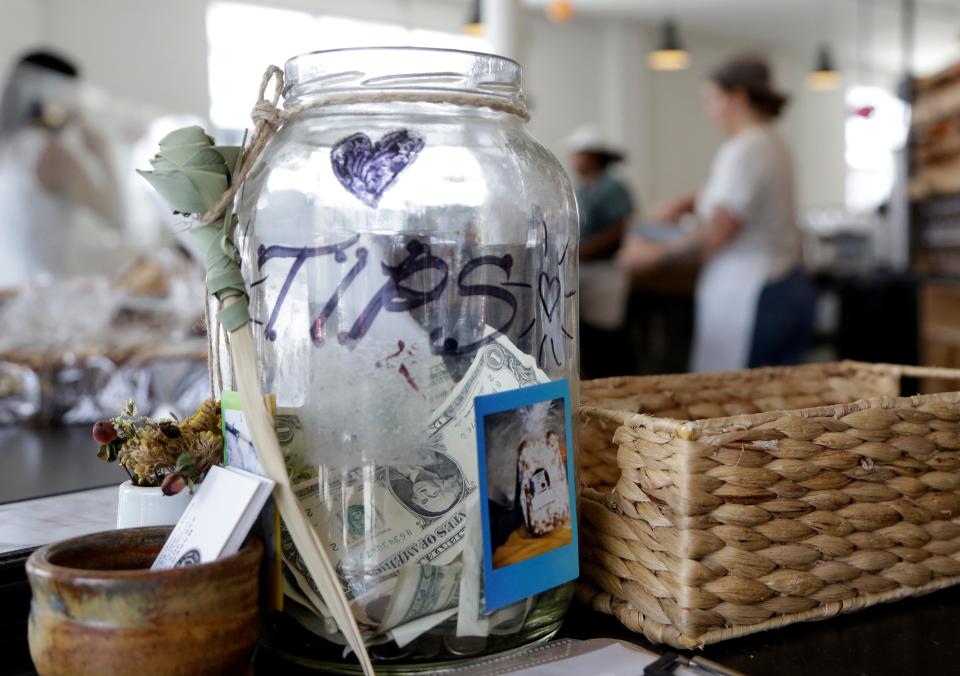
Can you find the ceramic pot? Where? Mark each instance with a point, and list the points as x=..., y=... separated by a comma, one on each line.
x=98, y=609
x=139, y=506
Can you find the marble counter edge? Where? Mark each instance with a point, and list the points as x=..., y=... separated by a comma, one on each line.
x=32, y=523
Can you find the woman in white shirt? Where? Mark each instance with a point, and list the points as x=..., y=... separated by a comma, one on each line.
x=754, y=302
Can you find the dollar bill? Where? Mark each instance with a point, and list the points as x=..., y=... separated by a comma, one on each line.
x=386, y=526
x=291, y=590
x=293, y=445
x=471, y=618
x=402, y=635
x=368, y=608
x=510, y=619
x=411, y=631
x=422, y=591
x=300, y=589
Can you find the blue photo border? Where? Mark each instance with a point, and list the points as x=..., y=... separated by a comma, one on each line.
x=517, y=581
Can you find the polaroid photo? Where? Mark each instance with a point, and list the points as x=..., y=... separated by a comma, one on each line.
x=527, y=492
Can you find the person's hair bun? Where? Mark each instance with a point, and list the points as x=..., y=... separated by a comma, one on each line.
x=752, y=74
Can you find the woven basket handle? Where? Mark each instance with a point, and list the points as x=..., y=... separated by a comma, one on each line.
x=937, y=372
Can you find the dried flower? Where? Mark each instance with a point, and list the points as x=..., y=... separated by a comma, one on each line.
x=169, y=429
x=173, y=483
x=152, y=450
x=104, y=432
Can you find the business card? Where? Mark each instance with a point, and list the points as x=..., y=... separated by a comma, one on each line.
x=217, y=520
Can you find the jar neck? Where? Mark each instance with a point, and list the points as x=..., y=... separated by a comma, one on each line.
x=441, y=102
x=404, y=75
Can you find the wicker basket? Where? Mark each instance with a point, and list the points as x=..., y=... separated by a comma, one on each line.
x=720, y=505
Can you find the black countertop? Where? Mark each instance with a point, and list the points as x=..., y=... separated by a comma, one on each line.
x=39, y=462
x=913, y=636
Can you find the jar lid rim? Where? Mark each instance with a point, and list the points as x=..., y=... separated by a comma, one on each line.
x=401, y=48
x=397, y=73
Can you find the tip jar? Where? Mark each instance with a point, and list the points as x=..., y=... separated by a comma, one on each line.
x=411, y=257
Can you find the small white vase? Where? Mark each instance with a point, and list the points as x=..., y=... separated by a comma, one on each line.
x=148, y=506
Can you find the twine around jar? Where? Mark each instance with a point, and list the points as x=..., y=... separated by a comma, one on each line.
x=266, y=118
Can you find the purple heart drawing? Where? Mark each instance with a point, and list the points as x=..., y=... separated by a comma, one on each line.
x=367, y=169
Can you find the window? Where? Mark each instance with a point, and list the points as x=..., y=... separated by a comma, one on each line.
x=244, y=39
x=876, y=127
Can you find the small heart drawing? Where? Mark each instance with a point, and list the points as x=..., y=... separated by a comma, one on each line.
x=549, y=294
x=366, y=169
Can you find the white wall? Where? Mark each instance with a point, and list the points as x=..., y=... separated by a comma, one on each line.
x=595, y=72
x=684, y=140
x=561, y=78
x=589, y=70
x=19, y=30
x=150, y=52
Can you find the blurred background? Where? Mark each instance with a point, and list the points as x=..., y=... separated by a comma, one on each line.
x=639, y=99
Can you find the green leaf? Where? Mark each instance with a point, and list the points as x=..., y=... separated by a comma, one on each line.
x=105, y=453
x=212, y=169
x=192, y=174
x=177, y=190
x=185, y=136
x=209, y=185
x=186, y=463
x=192, y=156
x=230, y=155
x=163, y=165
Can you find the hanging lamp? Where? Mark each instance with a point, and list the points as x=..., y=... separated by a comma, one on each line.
x=560, y=11
x=824, y=76
x=669, y=54
x=474, y=25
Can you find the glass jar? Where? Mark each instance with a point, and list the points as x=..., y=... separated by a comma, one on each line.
x=407, y=246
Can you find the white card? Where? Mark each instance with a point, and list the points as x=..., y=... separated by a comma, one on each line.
x=217, y=520
x=614, y=660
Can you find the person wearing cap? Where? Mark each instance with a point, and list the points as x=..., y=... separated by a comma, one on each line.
x=603, y=201
x=754, y=302
x=605, y=207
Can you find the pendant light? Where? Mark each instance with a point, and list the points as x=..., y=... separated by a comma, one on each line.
x=560, y=11
x=669, y=54
x=474, y=25
x=824, y=76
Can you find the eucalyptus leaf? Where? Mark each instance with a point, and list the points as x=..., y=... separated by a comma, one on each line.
x=210, y=185
x=184, y=150
x=206, y=236
x=186, y=135
x=191, y=174
x=177, y=190
x=218, y=169
x=230, y=155
x=163, y=165
x=191, y=156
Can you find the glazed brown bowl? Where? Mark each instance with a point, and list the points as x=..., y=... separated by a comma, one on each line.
x=97, y=608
